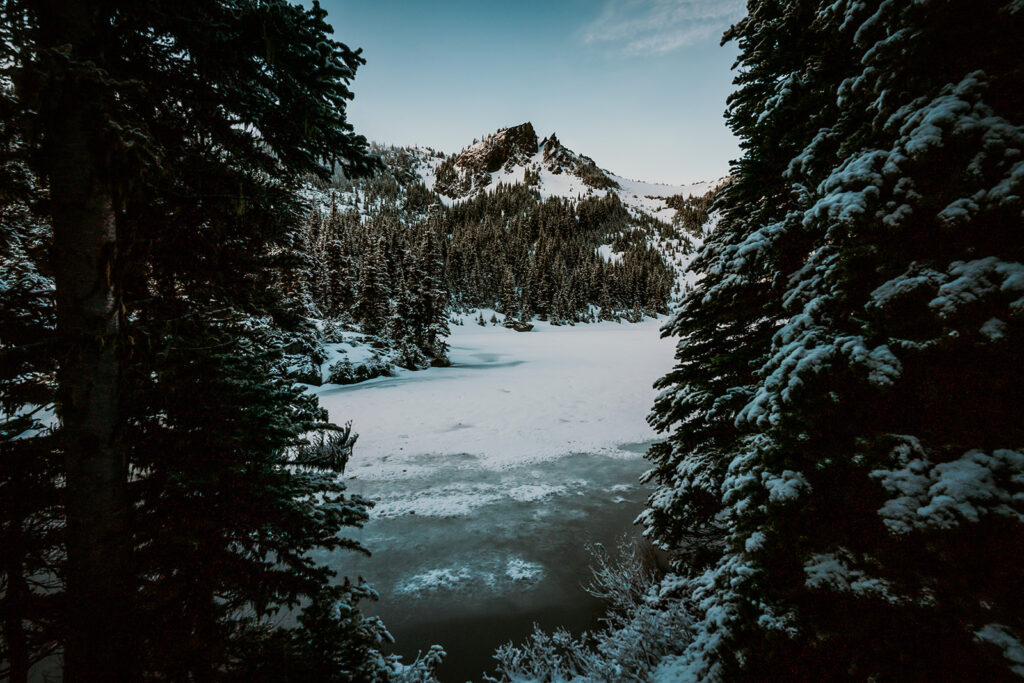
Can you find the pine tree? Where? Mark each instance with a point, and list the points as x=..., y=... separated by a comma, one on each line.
x=341, y=265
x=155, y=127
x=508, y=294
x=525, y=310
x=841, y=513
x=319, y=229
x=604, y=301
x=71, y=111
x=430, y=303
x=373, y=305
x=30, y=507
x=402, y=325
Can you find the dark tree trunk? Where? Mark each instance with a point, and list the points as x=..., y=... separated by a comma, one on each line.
x=96, y=491
x=88, y=325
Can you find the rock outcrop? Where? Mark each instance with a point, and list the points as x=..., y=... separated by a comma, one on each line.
x=507, y=148
x=470, y=170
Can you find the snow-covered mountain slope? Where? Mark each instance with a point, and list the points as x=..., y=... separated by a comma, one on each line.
x=518, y=155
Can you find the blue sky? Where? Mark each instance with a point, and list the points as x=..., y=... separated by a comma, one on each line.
x=639, y=85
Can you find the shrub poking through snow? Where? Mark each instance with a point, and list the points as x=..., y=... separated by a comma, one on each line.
x=345, y=371
x=642, y=627
x=329, y=450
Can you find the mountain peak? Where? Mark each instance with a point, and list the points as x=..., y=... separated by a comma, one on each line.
x=505, y=148
x=514, y=155
x=550, y=141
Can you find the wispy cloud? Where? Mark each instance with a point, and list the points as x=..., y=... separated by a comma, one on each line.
x=660, y=26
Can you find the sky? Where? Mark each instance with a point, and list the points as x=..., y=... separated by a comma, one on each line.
x=638, y=85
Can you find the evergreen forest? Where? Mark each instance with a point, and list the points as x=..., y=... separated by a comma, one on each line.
x=200, y=253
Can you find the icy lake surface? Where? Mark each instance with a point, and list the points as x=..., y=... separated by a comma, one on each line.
x=493, y=475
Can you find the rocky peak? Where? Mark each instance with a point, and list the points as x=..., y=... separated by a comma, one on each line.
x=507, y=147
x=556, y=157
x=471, y=170
x=559, y=159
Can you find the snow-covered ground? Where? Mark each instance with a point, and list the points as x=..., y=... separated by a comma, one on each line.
x=492, y=475
x=509, y=398
x=650, y=197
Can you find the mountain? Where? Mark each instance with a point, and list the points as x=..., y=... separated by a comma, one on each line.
x=517, y=155
x=669, y=219
x=513, y=223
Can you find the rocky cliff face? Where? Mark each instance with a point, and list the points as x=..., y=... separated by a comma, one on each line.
x=559, y=159
x=507, y=148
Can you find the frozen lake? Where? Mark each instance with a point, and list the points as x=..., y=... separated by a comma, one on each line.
x=493, y=475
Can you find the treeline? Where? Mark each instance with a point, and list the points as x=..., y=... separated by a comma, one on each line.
x=385, y=253
x=380, y=273
x=525, y=256
x=691, y=212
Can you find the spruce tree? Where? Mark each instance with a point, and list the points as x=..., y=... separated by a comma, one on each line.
x=56, y=54
x=401, y=326
x=171, y=139
x=373, y=306
x=525, y=312
x=30, y=504
x=604, y=301
x=842, y=477
x=508, y=294
x=430, y=303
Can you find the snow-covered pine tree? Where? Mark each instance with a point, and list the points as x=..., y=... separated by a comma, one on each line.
x=373, y=306
x=341, y=268
x=604, y=301
x=725, y=324
x=317, y=228
x=30, y=473
x=525, y=312
x=430, y=303
x=508, y=294
x=403, y=308
x=845, y=409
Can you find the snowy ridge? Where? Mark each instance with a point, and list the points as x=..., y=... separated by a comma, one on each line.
x=516, y=156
